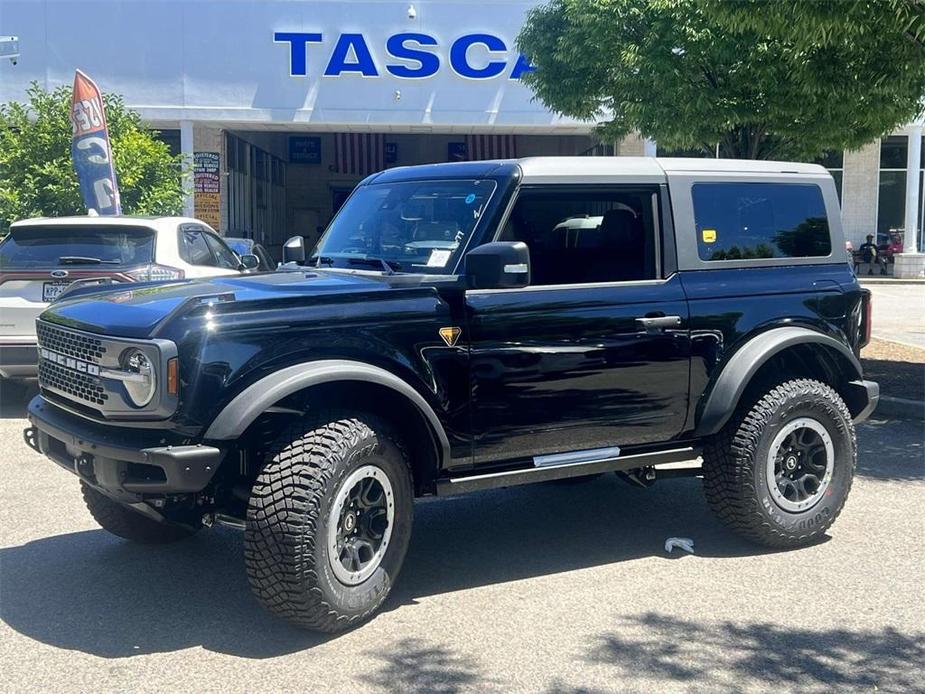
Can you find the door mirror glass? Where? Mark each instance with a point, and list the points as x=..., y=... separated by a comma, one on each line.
x=249, y=261
x=294, y=250
x=499, y=265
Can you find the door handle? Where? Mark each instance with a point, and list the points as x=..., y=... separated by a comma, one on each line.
x=658, y=323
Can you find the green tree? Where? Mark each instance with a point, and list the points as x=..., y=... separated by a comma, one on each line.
x=692, y=74
x=36, y=173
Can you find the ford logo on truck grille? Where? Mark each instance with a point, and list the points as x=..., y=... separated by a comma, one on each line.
x=58, y=273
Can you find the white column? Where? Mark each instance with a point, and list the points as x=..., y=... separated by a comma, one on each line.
x=913, y=167
x=186, y=149
x=649, y=148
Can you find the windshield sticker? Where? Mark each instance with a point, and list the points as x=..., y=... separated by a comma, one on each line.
x=470, y=198
x=439, y=257
x=709, y=235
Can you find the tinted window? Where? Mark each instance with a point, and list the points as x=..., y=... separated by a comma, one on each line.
x=223, y=255
x=740, y=221
x=588, y=236
x=53, y=245
x=194, y=249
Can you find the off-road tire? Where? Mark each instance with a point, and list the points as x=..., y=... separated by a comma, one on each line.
x=285, y=552
x=735, y=465
x=128, y=524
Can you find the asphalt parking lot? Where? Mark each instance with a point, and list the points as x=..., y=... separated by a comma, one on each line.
x=535, y=589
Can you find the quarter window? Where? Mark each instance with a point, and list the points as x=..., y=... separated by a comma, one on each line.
x=586, y=236
x=744, y=221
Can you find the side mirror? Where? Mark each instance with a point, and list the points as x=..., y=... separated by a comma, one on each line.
x=294, y=250
x=250, y=261
x=499, y=265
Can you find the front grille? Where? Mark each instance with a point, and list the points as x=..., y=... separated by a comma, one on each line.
x=84, y=347
x=73, y=383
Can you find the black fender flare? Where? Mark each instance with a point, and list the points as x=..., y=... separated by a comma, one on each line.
x=250, y=403
x=744, y=364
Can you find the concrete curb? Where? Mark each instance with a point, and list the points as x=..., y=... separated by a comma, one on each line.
x=901, y=408
x=890, y=280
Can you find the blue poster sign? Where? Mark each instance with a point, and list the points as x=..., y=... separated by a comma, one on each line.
x=304, y=149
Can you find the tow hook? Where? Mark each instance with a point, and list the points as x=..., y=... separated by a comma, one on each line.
x=211, y=519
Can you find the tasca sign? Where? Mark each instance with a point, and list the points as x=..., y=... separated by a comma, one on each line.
x=406, y=55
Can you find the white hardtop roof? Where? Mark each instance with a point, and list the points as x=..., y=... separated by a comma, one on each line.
x=108, y=220
x=589, y=169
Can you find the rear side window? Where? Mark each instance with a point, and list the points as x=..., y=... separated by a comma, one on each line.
x=194, y=249
x=57, y=245
x=744, y=221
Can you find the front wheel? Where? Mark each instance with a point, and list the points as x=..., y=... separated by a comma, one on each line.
x=780, y=471
x=328, y=522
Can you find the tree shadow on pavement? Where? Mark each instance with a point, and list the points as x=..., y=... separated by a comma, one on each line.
x=92, y=592
x=415, y=666
x=733, y=657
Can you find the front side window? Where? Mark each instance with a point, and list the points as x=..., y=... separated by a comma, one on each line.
x=745, y=221
x=224, y=257
x=412, y=226
x=585, y=237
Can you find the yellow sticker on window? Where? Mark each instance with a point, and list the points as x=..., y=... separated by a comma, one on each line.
x=709, y=235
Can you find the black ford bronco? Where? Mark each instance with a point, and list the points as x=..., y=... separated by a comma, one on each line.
x=466, y=326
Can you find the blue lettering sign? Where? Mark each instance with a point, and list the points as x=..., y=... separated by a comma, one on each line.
x=522, y=66
x=459, y=56
x=428, y=63
x=297, y=49
x=339, y=57
x=351, y=54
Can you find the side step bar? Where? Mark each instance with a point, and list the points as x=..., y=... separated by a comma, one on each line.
x=510, y=478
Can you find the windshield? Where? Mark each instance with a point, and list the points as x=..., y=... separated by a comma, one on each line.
x=414, y=226
x=53, y=246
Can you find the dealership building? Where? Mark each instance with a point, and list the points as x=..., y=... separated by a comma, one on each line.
x=285, y=105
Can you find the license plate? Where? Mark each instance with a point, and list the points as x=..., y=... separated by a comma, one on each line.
x=52, y=290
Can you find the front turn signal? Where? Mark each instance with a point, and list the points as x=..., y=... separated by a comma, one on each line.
x=173, y=376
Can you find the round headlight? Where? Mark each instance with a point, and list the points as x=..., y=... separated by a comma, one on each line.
x=142, y=381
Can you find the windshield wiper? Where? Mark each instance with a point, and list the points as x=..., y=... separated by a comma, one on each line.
x=84, y=260
x=319, y=260
x=377, y=262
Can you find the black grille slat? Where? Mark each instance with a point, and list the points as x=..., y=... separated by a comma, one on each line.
x=72, y=383
x=76, y=384
x=90, y=349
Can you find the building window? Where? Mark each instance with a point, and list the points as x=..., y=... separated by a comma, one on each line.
x=921, y=195
x=891, y=210
x=171, y=138
x=834, y=161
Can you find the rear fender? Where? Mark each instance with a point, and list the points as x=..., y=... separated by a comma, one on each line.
x=728, y=387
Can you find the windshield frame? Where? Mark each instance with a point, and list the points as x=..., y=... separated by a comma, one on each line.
x=318, y=256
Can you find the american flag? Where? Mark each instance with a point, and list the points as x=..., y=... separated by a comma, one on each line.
x=480, y=147
x=359, y=154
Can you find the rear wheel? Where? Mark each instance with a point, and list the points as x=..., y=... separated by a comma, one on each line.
x=780, y=471
x=329, y=522
x=129, y=524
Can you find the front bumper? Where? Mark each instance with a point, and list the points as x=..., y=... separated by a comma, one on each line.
x=19, y=360
x=128, y=464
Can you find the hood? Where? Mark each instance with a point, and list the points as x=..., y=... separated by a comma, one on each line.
x=137, y=310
